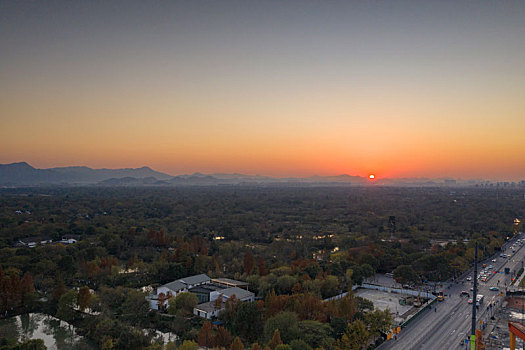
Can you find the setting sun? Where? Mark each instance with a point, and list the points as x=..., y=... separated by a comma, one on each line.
x=371, y=176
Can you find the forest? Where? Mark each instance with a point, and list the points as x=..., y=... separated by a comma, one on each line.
x=295, y=246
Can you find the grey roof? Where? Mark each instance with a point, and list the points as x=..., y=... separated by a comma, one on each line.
x=239, y=293
x=229, y=281
x=195, y=279
x=207, y=307
x=175, y=285
x=205, y=288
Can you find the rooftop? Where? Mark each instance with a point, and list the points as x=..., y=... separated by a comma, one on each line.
x=175, y=285
x=206, y=288
x=238, y=292
x=208, y=307
x=195, y=279
x=229, y=282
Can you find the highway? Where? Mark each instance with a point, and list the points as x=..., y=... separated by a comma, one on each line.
x=447, y=325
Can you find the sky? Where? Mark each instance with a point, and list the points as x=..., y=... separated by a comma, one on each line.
x=278, y=88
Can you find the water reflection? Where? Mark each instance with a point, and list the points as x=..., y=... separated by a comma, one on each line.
x=56, y=334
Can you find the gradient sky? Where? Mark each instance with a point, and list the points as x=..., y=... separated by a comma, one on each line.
x=282, y=88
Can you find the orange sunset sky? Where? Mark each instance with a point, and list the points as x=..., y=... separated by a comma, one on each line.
x=289, y=88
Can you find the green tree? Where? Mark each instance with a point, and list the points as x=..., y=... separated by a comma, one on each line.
x=247, y=321
x=188, y=345
x=33, y=344
x=330, y=286
x=406, y=274
x=378, y=321
x=299, y=344
x=287, y=325
x=285, y=284
x=315, y=333
x=184, y=302
x=107, y=343
x=66, y=305
x=135, y=307
x=283, y=347
x=354, y=338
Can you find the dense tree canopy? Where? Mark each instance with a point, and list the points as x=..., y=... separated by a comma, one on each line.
x=295, y=247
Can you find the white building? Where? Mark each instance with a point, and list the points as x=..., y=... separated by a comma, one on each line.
x=172, y=289
x=211, y=309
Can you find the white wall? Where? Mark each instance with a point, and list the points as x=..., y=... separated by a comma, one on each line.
x=214, y=295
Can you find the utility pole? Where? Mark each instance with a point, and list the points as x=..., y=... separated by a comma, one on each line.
x=474, y=301
x=392, y=226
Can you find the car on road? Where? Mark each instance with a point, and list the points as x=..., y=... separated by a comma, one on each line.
x=464, y=292
x=469, y=278
x=494, y=260
x=494, y=289
x=469, y=301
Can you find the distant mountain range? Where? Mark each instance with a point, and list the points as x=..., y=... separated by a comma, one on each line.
x=23, y=174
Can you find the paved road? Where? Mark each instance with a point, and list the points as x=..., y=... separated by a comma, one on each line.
x=447, y=327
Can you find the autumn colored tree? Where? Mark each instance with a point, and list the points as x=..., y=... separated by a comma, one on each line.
x=26, y=284
x=309, y=307
x=274, y=303
x=161, y=300
x=60, y=289
x=230, y=307
x=297, y=288
x=248, y=263
x=256, y=347
x=261, y=266
x=222, y=337
x=347, y=306
x=237, y=344
x=214, y=264
x=276, y=340
x=84, y=298
x=206, y=337
x=204, y=248
x=217, y=304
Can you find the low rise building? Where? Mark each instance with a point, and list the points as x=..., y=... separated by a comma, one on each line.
x=207, y=291
x=213, y=307
x=159, y=301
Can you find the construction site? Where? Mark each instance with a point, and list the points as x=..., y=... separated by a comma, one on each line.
x=507, y=323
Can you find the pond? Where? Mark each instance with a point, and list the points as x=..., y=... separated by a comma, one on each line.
x=56, y=334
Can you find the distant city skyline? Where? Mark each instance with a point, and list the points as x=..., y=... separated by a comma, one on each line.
x=280, y=88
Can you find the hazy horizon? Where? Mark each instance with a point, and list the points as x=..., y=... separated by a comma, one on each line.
x=401, y=89
x=377, y=178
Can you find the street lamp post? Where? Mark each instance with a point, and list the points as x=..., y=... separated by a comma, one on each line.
x=474, y=296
